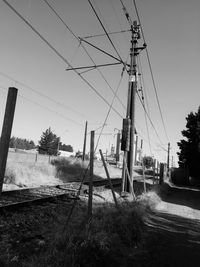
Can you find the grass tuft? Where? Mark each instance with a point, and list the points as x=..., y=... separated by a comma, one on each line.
x=29, y=174
x=112, y=237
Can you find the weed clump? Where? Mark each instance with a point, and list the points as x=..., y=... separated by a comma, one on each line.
x=109, y=240
x=69, y=169
x=29, y=174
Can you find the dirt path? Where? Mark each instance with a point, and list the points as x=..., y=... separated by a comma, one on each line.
x=173, y=230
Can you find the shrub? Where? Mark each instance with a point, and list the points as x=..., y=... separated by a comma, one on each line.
x=69, y=169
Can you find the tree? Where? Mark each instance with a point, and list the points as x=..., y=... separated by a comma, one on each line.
x=189, y=155
x=148, y=161
x=21, y=143
x=48, y=143
x=64, y=147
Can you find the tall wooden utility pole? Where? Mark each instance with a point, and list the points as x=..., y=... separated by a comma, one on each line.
x=168, y=155
x=6, y=131
x=132, y=88
x=84, y=143
x=91, y=175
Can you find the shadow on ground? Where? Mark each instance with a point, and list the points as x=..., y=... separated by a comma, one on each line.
x=171, y=241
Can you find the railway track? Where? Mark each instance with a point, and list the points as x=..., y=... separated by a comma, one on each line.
x=17, y=198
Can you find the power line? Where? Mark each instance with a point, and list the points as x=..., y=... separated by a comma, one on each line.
x=147, y=128
x=78, y=39
x=151, y=71
x=103, y=34
x=118, y=20
x=44, y=107
x=59, y=55
x=104, y=29
x=42, y=94
x=109, y=110
x=149, y=119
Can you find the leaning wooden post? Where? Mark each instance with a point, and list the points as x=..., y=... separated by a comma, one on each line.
x=6, y=131
x=161, y=173
x=109, y=180
x=84, y=143
x=91, y=175
x=143, y=175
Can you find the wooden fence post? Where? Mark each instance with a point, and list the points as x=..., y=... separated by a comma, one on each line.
x=84, y=143
x=91, y=175
x=6, y=131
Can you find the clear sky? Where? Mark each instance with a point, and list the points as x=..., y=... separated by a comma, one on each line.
x=50, y=96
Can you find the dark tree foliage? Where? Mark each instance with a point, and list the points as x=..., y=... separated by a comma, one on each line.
x=48, y=143
x=189, y=155
x=148, y=161
x=64, y=147
x=20, y=143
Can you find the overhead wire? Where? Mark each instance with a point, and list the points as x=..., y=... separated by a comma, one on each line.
x=105, y=25
x=41, y=94
x=105, y=30
x=59, y=55
x=110, y=108
x=150, y=120
x=145, y=115
x=44, y=107
x=103, y=34
x=151, y=71
x=86, y=170
x=79, y=40
x=130, y=22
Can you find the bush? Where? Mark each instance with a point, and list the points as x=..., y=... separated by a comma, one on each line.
x=69, y=169
x=180, y=176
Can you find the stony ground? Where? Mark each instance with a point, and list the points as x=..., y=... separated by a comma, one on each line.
x=26, y=231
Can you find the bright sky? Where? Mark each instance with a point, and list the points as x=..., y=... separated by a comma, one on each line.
x=51, y=96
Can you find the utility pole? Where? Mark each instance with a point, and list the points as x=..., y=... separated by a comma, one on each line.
x=132, y=88
x=117, y=145
x=168, y=155
x=84, y=144
x=92, y=136
x=6, y=131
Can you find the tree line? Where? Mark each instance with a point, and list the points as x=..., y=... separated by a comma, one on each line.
x=49, y=143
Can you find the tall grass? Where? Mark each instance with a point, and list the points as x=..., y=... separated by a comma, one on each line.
x=69, y=169
x=112, y=239
x=30, y=174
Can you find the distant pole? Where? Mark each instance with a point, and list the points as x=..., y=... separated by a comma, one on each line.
x=136, y=148
x=117, y=146
x=91, y=175
x=6, y=131
x=168, y=155
x=84, y=143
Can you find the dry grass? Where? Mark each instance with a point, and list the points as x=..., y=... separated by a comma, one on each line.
x=69, y=169
x=30, y=174
x=112, y=239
